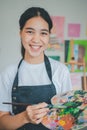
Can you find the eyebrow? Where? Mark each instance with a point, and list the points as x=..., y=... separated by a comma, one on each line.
x=34, y=29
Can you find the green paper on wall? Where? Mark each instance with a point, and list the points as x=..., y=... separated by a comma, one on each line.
x=80, y=51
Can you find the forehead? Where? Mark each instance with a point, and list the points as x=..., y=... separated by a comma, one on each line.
x=37, y=22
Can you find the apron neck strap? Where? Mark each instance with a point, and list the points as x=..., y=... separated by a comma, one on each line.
x=48, y=67
x=15, y=83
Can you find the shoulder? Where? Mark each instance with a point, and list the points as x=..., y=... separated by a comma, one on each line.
x=8, y=74
x=10, y=69
x=58, y=66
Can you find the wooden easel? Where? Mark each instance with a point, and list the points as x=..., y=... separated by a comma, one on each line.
x=73, y=63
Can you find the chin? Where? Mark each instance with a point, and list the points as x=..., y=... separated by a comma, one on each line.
x=35, y=54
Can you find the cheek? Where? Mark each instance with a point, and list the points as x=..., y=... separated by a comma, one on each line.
x=26, y=39
x=46, y=41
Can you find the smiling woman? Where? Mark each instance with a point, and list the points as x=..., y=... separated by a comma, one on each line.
x=35, y=80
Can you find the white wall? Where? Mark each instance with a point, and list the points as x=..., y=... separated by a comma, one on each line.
x=75, y=11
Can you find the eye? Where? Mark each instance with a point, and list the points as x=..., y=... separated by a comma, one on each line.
x=44, y=33
x=30, y=32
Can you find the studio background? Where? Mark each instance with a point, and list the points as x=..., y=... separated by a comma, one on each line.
x=74, y=11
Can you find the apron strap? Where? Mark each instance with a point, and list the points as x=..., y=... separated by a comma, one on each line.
x=48, y=67
x=15, y=83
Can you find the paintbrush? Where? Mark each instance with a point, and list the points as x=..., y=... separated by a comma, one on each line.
x=50, y=106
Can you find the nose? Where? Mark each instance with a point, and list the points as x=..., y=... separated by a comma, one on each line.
x=36, y=38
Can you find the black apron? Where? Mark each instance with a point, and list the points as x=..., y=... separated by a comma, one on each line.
x=32, y=95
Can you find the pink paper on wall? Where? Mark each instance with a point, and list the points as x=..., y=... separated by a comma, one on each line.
x=76, y=81
x=74, y=30
x=58, y=28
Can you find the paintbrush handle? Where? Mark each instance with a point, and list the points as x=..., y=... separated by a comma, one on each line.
x=18, y=104
x=50, y=106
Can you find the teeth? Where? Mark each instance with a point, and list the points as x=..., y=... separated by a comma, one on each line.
x=35, y=47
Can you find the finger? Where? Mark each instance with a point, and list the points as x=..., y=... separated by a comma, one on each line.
x=39, y=105
x=38, y=121
x=40, y=110
x=40, y=115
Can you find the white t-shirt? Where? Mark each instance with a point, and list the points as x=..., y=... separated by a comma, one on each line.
x=33, y=74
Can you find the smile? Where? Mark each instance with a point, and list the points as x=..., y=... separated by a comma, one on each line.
x=35, y=47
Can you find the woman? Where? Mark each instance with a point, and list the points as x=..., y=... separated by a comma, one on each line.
x=35, y=80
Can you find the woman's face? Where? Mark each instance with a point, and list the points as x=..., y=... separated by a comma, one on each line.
x=35, y=36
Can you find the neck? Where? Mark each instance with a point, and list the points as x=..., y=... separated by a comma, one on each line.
x=35, y=59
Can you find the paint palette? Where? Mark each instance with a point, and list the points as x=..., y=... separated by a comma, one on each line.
x=71, y=115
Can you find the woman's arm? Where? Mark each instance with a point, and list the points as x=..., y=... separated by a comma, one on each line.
x=33, y=114
x=11, y=122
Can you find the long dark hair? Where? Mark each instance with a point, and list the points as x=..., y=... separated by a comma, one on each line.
x=30, y=13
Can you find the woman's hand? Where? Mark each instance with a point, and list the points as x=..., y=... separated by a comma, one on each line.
x=35, y=113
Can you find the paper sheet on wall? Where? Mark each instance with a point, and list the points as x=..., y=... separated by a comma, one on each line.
x=55, y=47
x=74, y=30
x=58, y=28
x=76, y=80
